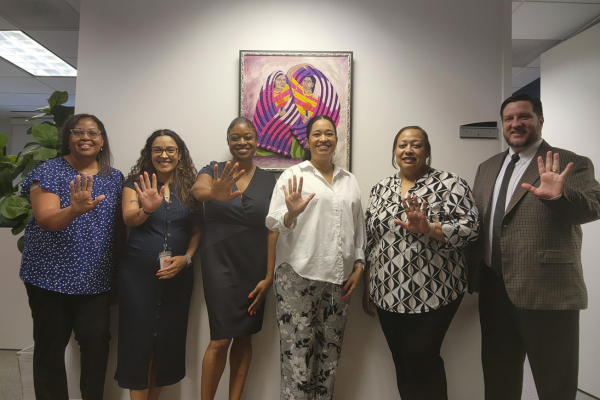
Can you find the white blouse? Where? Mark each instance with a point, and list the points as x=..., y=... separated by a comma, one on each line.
x=329, y=236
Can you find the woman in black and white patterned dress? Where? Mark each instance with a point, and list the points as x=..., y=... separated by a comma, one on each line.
x=418, y=222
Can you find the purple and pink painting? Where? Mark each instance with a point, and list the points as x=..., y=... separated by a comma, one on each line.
x=281, y=91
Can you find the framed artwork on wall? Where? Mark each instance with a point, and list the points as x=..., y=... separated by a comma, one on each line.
x=281, y=90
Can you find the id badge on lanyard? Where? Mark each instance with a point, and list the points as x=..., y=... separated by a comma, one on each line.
x=162, y=259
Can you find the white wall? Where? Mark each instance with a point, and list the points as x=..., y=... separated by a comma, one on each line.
x=570, y=87
x=16, y=332
x=148, y=64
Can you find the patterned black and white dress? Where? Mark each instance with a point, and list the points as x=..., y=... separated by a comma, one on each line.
x=415, y=273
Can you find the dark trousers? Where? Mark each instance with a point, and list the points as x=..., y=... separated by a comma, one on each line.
x=55, y=316
x=415, y=341
x=549, y=338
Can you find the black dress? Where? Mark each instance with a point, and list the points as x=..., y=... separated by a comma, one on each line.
x=234, y=255
x=153, y=313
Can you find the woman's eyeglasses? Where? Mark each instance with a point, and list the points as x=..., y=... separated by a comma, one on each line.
x=171, y=151
x=92, y=133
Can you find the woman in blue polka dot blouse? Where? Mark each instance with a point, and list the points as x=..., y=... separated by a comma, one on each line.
x=68, y=263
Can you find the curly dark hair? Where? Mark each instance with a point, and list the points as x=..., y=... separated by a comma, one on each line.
x=184, y=175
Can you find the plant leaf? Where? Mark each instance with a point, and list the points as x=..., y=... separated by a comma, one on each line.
x=5, y=222
x=29, y=144
x=3, y=140
x=17, y=170
x=21, y=243
x=20, y=225
x=5, y=181
x=57, y=98
x=45, y=109
x=36, y=117
x=30, y=165
x=61, y=114
x=45, y=134
x=15, y=206
x=44, y=153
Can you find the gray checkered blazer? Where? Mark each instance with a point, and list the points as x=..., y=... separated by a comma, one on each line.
x=541, y=239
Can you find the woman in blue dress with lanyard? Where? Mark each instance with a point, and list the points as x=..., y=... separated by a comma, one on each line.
x=154, y=295
x=237, y=257
x=67, y=263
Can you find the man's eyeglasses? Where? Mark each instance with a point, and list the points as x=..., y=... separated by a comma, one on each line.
x=92, y=133
x=171, y=151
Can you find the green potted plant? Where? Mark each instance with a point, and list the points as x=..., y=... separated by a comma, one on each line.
x=15, y=210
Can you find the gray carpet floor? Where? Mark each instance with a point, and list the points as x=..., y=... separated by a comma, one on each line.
x=10, y=386
x=10, y=382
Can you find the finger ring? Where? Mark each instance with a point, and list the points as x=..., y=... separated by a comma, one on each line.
x=554, y=170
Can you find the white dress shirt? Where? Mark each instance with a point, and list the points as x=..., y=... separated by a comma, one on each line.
x=329, y=236
x=525, y=158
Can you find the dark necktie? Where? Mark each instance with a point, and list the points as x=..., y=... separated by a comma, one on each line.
x=499, y=214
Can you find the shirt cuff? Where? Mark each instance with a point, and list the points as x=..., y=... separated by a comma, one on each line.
x=279, y=224
x=359, y=254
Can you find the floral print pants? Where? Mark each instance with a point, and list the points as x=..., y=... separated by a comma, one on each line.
x=311, y=318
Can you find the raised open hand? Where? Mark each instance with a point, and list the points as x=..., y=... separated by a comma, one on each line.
x=150, y=197
x=416, y=215
x=552, y=181
x=221, y=187
x=81, y=194
x=293, y=200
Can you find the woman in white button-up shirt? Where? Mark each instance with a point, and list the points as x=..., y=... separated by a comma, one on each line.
x=320, y=257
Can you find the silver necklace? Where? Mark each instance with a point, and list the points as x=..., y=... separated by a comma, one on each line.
x=249, y=175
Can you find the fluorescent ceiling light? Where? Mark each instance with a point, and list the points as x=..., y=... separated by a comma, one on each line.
x=24, y=52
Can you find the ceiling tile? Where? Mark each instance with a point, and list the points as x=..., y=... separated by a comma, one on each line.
x=5, y=114
x=71, y=61
x=8, y=69
x=526, y=76
x=568, y=1
x=41, y=100
x=62, y=84
x=62, y=43
x=4, y=24
x=36, y=100
x=515, y=5
x=555, y=21
x=14, y=108
x=516, y=70
x=41, y=14
x=9, y=99
x=535, y=63
x=76, y=4
x=24, y=85
x=525, y=51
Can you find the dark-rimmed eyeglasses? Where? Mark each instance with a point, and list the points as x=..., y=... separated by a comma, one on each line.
x=171, y=151
x=92, y=133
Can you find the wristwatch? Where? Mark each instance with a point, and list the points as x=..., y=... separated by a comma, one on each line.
x=189, y=260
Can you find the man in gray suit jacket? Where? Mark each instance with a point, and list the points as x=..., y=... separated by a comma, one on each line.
x=526, y=264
